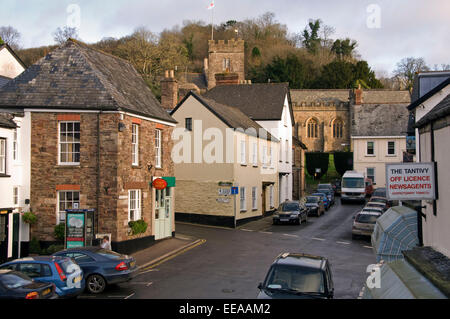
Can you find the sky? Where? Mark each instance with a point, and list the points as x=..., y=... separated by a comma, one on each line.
x=386, y=30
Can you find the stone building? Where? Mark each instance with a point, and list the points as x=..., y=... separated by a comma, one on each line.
x=98, y=138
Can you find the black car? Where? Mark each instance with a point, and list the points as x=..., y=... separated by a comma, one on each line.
x=291, y=211
x=101, y=267
x=314, y=204
x=298, y=276
x=16, y=285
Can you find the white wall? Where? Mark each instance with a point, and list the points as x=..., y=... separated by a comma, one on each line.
x=282, y=130
x=9, y=66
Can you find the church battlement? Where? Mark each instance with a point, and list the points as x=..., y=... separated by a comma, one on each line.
x=321, y=104
x=231, y=45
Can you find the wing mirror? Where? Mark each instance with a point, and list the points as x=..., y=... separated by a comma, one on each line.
x=260, y=286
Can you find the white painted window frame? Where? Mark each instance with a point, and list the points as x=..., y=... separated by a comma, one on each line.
x=134, y=204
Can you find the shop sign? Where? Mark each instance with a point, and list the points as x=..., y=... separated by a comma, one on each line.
x=75, y=230
x=410, y=181
x=159, y=183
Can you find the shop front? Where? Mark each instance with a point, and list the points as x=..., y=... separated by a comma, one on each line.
x=4, y=233
x=164, y=206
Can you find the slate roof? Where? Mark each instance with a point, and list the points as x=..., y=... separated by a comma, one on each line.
x=320, y=96
x=374, y=96
x=75, y=76
x=4, y=80
x=231, y=116
x=259, y=101
x=430, y=93
x=6, y=120
x=198, y=79
x=440, y=110
x=380, y=120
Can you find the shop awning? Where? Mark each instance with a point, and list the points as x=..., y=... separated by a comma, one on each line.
x=400, y=280
x=395, y=231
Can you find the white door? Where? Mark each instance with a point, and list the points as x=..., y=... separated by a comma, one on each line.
x=163, y=212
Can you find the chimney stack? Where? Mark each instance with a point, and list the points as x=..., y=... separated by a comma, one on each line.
x=169, y=90
x=226, y=78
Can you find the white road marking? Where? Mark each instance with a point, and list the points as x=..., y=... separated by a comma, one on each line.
x=266, y=232
x=315, y=238
x=370, y=247
x=247, y=230
x=130, y=296
x=290, y=235
x=343, y=242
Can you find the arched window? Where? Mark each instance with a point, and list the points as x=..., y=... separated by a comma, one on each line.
x=337, y=128
x=312, y=128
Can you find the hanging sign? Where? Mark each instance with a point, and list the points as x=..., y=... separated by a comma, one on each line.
x=159, y=183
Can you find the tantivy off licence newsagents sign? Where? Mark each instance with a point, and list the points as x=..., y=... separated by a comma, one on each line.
x=410, y=181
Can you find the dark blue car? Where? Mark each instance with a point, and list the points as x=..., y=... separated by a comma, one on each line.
x=66, y=275
x=326, y=202
x=15, y=285
x=101, y=267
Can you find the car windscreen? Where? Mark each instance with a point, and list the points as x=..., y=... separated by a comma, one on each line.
x=353, y=182
x=366, y=218
x=312, y=199
x=15, y=280
x=288, y=207
x=109, y=254
x=301, y=279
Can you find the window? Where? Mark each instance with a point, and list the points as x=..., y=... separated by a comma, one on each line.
x=243, y=206
x=270, y=156
x=135, y=144
x=2, y=156
x=80, y=258
x=226, y=64
x=254, y=198
x=271, y=197
x=391, y=148
x=188, y=123
x=158, y=136
x=337, y=129
x=370, y=148
x=371, y=173
x=16, y=196
x=264, y=154
x=243, y=155
x=67, y=200
x=134, y=204
x=31, y=270
x=69, y=143
x=287, y=152
x=15, y=148
x=312, y=128
x=255, y=154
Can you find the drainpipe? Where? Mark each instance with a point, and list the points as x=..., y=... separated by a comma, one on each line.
x=96, y=216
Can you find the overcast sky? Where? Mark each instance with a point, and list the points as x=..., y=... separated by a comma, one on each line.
x=386, y=30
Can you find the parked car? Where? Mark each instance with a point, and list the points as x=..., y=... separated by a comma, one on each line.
x=378, y=210
x=364, y=224
x=323, y=196
x=337, y=187
x=298, y=276
x=329, y=193
x=381, y=205
x=291, y=211
x=321, y=187
x=16, y=285
x=380, y=192
x=369, y=187
x=101, y=267
x=315, y=206
x=381, y=200
x=66, y=275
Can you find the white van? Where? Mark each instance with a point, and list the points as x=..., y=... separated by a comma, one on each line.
x=353, y=187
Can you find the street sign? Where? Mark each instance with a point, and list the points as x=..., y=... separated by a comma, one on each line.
x=410, y=181
x=234, y=190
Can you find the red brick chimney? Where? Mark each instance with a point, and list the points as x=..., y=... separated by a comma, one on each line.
x=358, y=95
x=169, y=91
x=226, y=78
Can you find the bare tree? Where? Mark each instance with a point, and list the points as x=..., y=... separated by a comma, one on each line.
x=407, y=69
x=62, y=35
x=10, y=36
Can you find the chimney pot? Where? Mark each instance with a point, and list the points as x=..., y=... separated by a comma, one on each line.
x=172, y=74
x=166, y=74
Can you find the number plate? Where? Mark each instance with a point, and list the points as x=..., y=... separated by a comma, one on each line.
x=132, y=264
x=284, y=219
x=77, y=279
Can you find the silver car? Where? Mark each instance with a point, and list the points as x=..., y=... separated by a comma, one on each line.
x=364, y=223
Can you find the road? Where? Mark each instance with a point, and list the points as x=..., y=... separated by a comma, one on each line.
x=231, y=262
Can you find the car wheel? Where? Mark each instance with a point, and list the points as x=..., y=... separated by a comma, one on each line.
x=95, y=284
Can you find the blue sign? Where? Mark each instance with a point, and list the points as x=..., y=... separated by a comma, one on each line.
x=234, y=190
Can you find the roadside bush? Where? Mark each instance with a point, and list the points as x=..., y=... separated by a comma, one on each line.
x=53, y=249
x=317, y=160
x=343, y=161
x=35, y=246
x=60, y=232
x=138, y=227
x=29, y=218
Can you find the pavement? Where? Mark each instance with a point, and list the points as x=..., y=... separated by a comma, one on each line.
x=164, y=249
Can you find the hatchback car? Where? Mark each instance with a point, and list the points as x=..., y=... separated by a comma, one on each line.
x=383, y=206
x=314, y=204
x=329, y=193
x=298, y=276
x=101, y=267
x=379, y=199
x=323, y=196
x=378, y=210
x=291, y=211
x=379, y=192
x=16, y=285
x=63, y=272
x=364, y=224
